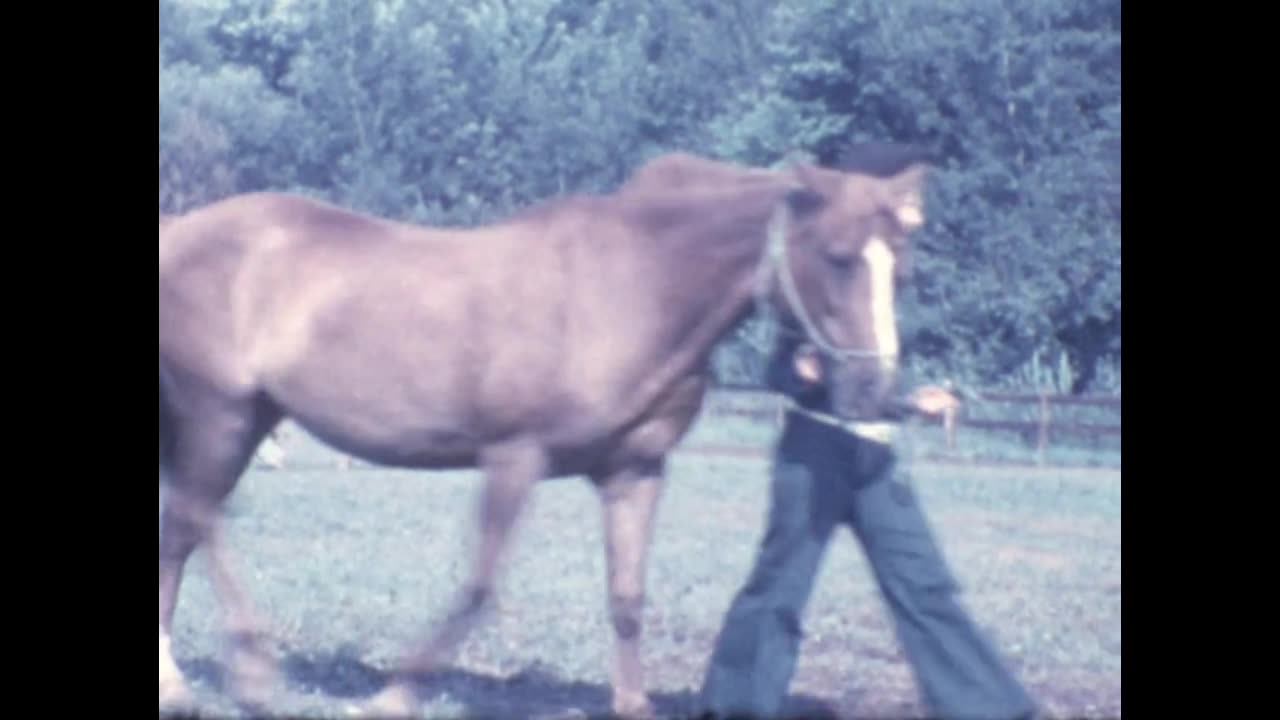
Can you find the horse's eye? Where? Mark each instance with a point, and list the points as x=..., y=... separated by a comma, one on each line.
x=841, y=265
x=840, y=262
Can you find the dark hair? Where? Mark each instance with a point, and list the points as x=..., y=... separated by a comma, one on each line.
x=881, y=159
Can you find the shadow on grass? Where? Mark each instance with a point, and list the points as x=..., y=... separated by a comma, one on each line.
x=535, y=692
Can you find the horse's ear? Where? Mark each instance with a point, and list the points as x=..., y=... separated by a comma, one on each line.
x=802, y=201
x=904, y=195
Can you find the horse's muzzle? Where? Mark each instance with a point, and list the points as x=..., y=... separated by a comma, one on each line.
x=861, y=389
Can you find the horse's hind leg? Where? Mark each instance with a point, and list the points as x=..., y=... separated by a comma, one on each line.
x=630, y=497
x=213, y=440
x=511, y=473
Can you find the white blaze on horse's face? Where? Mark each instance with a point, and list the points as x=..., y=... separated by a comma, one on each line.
x=884, y=326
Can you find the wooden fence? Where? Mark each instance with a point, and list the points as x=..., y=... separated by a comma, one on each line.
x=763, y=406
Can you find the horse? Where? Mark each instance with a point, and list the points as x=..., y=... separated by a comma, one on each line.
x=571, y=339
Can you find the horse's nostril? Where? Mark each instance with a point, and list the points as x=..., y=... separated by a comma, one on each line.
x=865, y=384
x=859, y=390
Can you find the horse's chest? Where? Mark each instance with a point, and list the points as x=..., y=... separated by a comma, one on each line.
x=667, y=421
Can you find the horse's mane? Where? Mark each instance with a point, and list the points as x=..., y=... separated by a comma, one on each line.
x=660, y=208
x=685, y=169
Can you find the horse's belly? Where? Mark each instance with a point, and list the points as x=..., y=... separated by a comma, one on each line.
x=375, y=408
x=404, y=445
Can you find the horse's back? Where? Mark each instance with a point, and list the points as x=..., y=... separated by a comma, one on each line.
x=243, y=266
x=240, y=225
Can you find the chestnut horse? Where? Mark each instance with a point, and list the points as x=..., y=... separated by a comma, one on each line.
x=572, y=339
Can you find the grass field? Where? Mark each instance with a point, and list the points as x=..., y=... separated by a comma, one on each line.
x=350, y=566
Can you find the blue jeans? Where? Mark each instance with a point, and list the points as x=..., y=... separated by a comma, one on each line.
x=823, y=478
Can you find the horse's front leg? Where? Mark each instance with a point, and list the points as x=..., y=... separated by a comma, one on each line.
x=630, y=498
x=511, y=473
x=214, y=442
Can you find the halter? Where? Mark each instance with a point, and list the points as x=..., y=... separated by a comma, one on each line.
x=775, y=262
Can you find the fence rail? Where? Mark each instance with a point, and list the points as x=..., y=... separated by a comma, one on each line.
x=766, y=407
x=762, y=406
x=1095, y=400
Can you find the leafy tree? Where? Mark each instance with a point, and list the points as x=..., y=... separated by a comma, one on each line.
x=1021, y=104
x=460, y=113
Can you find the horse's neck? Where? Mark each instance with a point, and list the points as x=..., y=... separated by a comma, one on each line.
x=712, y=261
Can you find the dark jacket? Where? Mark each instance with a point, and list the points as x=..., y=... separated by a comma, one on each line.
x=780, y=376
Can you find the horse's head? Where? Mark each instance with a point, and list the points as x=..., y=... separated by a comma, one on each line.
x=834, y=265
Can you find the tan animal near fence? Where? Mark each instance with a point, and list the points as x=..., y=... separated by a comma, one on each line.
x=573, y=339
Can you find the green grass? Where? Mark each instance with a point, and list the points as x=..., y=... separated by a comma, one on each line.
x=350, y=567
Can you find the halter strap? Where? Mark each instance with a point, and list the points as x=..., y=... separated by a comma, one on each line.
x=775, y=262
x=882, y=432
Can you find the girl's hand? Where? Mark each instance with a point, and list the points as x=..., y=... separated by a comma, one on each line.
x=808, y=365
x=933, y=400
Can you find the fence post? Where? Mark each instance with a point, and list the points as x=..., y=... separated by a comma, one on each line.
x=1043, y=440
x=949, y=419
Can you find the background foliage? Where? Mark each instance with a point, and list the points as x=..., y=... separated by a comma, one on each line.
x=461, y=112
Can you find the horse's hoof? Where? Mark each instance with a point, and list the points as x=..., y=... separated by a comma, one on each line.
x=636, y=707
x=175, y=695
x=253, y=678
x=395, y=701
